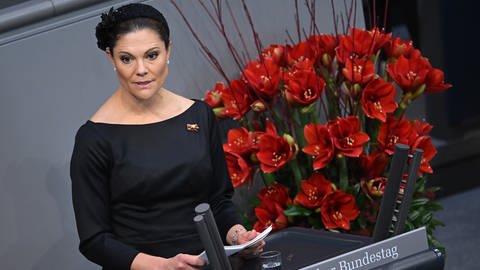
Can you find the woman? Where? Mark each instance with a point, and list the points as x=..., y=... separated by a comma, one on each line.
x=147, y=157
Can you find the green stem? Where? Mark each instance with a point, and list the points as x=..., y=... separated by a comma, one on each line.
x=402, y=106
x=372, y=127
x=316, y=119
x=278, y=119
x=268, y=179
x=296, y=174
x=245, y=123
x=342, y=172
x=406, y=99
x=333, y=110
x=299, y=125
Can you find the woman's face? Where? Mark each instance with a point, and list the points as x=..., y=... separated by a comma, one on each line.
x=140, y=58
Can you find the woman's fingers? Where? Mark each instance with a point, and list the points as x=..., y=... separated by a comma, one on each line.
x=187, y=262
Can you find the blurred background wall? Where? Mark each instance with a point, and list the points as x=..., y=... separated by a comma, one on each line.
x=52, y=78
x=443, y=31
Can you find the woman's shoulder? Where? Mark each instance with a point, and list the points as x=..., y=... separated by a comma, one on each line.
x=105, y=112
x=88, y=133
x=198, y=106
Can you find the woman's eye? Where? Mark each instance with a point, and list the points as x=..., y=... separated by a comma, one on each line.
x=152, y=55
x=125, y=59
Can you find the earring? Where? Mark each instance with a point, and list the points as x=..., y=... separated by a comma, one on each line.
x=168, y=61
x=114, y=68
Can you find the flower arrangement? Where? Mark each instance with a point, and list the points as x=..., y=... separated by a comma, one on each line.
x=319, y=120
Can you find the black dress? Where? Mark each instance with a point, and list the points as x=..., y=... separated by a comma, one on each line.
x=135, y=187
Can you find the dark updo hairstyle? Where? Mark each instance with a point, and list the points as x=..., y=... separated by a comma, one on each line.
x=129, y=18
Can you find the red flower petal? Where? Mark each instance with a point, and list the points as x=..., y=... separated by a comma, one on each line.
x=338, y=210
x=378, y=99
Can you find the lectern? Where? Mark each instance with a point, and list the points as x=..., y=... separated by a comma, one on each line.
x=388, y=248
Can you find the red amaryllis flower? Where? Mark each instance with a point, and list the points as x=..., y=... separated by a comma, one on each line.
x=357, y=45
x=421, y=128
x=359, y=70
x=394, y=131
x=435, y=81
x=304, y=65
x=319, y=145
x=314, y=189
x=277, y=193
x=214, y=98
x=269, y=213
x=379, y=38
x=264, y=77
x=255, y=138
x=409, y=74
x=277, y=53
x=376, y=186
x=299, y=52
x=324, y=47
x=237, y=99
x=378, y=99
x=429, y=151
x=347, y=137
x=374, y=164
x=396, y=47
x=338, y=209
x=238, y=169
x=239, y=141
x=304, y=88
x=274, y=151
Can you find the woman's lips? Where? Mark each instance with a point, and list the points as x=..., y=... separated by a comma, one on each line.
x=143, y=84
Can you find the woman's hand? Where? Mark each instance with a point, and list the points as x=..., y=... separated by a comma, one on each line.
x=183, y=261
x=180, y=262
x=251, y=251
x=238, y=235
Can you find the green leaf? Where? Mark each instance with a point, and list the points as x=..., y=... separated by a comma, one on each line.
x=315, y=222
x=420, y=185
x=426, y=218
x=419, y=202
x=409, y=226
x=362, y=222
x=435, y=222
x=433, y=207
x=413, y=215
x=434, y=189
x=436, y=244
x=296, y=210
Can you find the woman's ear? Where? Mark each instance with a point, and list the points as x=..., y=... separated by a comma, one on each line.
x=169, y=49
x=110, y=56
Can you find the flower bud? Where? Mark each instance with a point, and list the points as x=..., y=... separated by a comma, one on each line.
x=357, y=89
x=326, y=59
x=258, y=106
x=289, y=139
x=253, y=158
x=219, y=112
x=376, y=186
x=216, y=98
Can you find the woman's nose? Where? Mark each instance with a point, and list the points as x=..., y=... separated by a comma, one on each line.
x=141, y=69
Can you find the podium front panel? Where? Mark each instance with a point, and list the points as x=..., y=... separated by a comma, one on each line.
x=301, y=247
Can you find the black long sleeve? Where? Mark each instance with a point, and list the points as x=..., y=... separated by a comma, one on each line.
x=135, y=187
x=90, y=173
x=221, y=203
